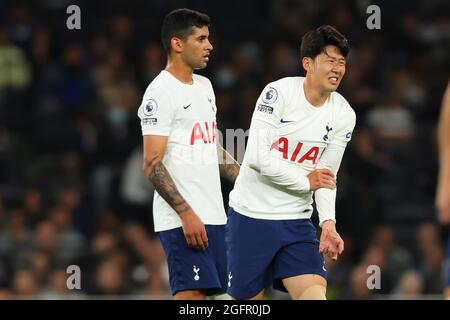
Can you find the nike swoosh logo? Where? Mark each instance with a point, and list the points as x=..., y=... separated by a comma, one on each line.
x=185, y=107
x=285, y=121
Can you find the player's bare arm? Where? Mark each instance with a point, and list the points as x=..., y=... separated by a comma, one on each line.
x=228, y=166
x=193, y=227
x=443, y=188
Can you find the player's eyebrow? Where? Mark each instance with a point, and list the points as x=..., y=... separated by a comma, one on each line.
x=202, y=36
x=333, y=58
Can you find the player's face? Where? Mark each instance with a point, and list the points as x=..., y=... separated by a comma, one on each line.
x=197, y=48
x=328, y=69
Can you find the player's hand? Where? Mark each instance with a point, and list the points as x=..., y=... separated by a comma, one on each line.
x=331, y=242
x=321, y=178
x=194, y=230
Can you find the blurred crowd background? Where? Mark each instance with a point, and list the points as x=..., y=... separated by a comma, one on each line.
x=71, y=186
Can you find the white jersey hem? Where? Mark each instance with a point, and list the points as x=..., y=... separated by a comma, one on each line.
x=179, y=225
x=271, y=215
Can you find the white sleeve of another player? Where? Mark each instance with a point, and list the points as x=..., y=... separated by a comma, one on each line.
x=156, y=112
x=262, y=135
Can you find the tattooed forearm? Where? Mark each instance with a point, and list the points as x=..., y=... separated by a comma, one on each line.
x=164, y=184
x=228, y=167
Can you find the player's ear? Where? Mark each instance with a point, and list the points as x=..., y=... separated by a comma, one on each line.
x=176, y=44
x=307, y=64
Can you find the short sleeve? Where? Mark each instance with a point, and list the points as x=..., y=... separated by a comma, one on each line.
x=156, y=112
x=270, y=105
x=346, y=124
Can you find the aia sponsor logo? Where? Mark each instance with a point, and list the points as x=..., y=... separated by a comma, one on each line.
x=282, y=145
x=203, y=132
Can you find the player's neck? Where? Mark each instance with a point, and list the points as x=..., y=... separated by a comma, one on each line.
x=180, y=70
x=313, y=95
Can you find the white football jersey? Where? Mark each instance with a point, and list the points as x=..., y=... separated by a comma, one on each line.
x=187, y=115
x=303, y=133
